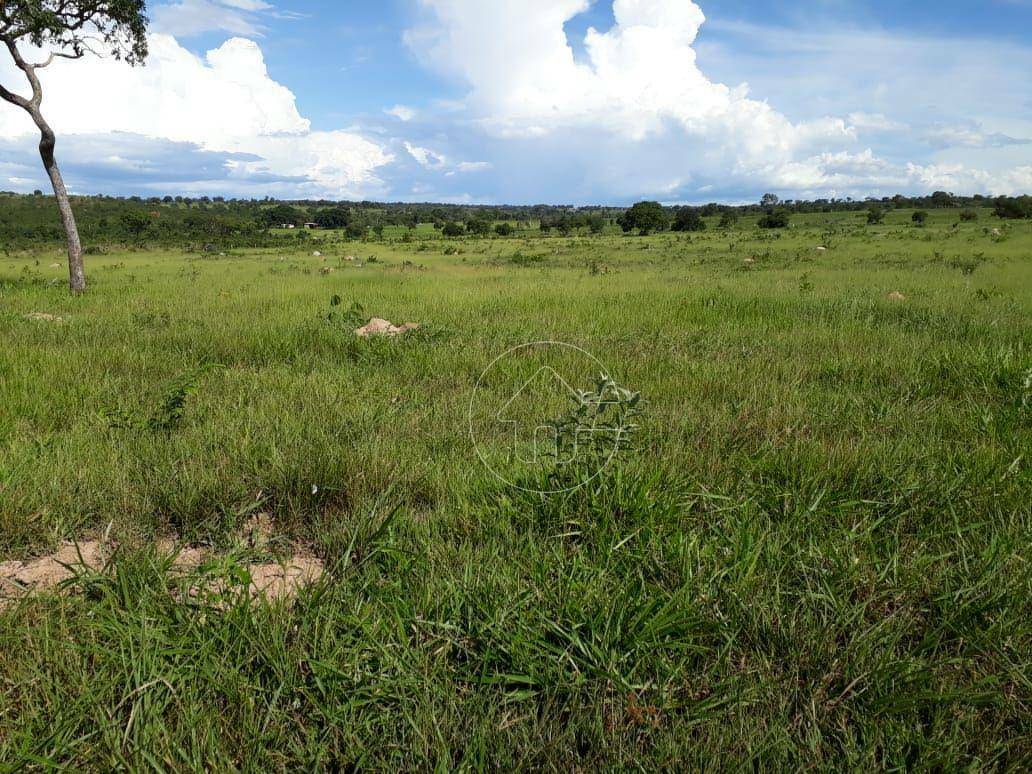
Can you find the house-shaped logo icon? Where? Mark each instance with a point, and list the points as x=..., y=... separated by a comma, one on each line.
x=531, y=413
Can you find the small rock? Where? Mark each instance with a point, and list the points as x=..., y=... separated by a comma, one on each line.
x=316, y=254
x=350, y=258
x=822, y=249
x=897, y=296
x=749, y=261
x=55, y=266
x=326, y=270
x=380, y=327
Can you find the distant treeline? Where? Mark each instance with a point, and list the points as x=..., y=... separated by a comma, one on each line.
x=197, y=223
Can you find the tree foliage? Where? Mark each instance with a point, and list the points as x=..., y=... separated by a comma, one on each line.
x=688, y=219
x=1013, y=208
x=72, y=28
x=644, y=217
x=776, y=218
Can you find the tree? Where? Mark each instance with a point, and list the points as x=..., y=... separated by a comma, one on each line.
x=504, y=229
x=333, y=218
x=281, y=214
x=919, y=217
x=769, y=200
x=875, y=215
x=688, y=219
x=135, y=223
x=453, y=229
x=774, y=219
x=478, y=226
x=942, y=199
x=596, y=224
x=644, y=217
x=729, y=219
x=1013, y=208
x=67, y=29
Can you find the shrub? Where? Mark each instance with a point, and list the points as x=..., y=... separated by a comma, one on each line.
x=968, y=215
x=504, y=229
x=644, y=217
x=1011, y=208
x=688, y=219
x=919, y=217
x=453, y=229
x=875, y=216
x=729, y=219
x=774, y=219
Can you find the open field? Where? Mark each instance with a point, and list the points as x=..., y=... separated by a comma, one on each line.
x=816, y=554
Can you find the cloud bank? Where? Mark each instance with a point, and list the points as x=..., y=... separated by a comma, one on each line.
x=626, y=113
x=224, y=103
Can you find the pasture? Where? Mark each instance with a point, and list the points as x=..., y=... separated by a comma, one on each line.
x=814, y=554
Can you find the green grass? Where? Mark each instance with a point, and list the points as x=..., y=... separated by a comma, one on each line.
x=816, y=557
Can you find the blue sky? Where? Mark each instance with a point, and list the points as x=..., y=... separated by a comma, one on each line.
x=560, y=101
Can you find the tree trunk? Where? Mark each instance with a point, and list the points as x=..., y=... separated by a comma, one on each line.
x=76, y=271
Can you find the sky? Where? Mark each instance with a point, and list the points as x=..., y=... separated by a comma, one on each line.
x=545, y=101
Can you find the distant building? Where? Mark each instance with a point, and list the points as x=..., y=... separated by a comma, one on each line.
x=287, y=225
x=311, y=225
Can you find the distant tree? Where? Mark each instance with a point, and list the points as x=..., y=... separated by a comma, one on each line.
x=478, y=226
x=688, y=219
x=776, y=218
x=875, y=215
x=281, y=214
x=942, y=199
x=596, y=224
x=1013, y=208
x=968, y=215
x=919, y=217
x=644, y=217
x=504, y=229
x=356, y=229
x=135, y=223
x=67, y=29
x=335, y=217
x=729, y=219
x=37, y=192
x=453, y=229
x=769, y=200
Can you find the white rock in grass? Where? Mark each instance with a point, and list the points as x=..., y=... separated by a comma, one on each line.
x=377, y=326
x=44, y=317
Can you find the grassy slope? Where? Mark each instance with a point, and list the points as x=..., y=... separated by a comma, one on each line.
x=819, y=557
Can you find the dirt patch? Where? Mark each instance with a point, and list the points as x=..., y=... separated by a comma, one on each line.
x=273, y=580
x=48, y=572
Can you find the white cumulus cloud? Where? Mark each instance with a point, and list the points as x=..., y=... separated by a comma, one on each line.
x=225, y=101
x=635, y=114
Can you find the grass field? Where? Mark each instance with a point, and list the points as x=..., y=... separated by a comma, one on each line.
x=816, y=555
